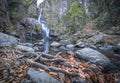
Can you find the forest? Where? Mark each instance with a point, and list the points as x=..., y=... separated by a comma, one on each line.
x=59, y=41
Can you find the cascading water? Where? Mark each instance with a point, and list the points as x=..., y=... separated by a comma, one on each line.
x=45, y=30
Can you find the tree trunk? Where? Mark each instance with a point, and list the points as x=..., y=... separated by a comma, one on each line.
x=4, y=15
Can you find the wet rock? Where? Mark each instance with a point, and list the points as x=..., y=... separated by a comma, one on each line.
x=7, y=40
x=40, y=77
x=24, y=48
x=55, y=44
x=96, y=39
x=65, y=42
x=93, y=56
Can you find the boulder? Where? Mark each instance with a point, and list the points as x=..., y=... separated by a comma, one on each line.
x=55, y=44
x=24, y=48
x=7, y=40
x=93, y=56
x=65, y=42
x=96, y=38
x=40, y=77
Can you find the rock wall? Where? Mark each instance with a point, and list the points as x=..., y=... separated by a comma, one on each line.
x=53, y=12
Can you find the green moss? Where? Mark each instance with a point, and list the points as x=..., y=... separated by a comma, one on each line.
x=74, y=17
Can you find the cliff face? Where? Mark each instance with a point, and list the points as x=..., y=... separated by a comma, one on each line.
x=59, y=14
x=54, y=11
x=4, y=15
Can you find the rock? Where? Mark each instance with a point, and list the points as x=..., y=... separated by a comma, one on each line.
x=5, y=74
x=65, y=42
x=81, y=44
x=70, y=52
x=32, y=28
x=105, y=47
x=7, y=40
x=28, y=21
x=53, y=33
x=40, y=77
x=32, y=10
x=36, y=48
x=63, y=48
x=95, y=39
x=70, y=46
x=27, y=44
x=84, y=44
x=118, y=80
x=26, y=81
x=78, y=80
x=118, y=45
x=93, y=56
x=24, y=48
x=55, y=44
x=116, y=48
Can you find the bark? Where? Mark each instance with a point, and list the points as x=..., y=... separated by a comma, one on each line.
x=4, y=15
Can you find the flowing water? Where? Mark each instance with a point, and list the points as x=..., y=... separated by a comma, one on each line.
x=45, y=31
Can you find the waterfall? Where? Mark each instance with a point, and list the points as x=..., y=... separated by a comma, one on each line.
x=45, y=30
x=86, y=6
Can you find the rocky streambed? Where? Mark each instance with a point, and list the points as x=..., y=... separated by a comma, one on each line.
x=67, y=62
